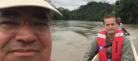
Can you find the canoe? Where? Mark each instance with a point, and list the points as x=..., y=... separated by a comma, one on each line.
x=134, y=51
x=96, y=58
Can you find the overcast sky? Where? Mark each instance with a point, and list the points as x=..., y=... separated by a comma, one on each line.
x=73, y=4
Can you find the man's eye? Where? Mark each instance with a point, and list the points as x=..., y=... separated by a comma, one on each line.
x=107, y=24
x=41, y=16
x=40, y=24
x=112, y=24
x=9, y=23
x=9, y=15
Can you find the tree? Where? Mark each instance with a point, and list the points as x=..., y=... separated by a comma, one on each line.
x=91, y=11
x=65, y=13
x=127, y=10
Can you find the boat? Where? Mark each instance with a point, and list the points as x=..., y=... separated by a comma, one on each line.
x=96, y=57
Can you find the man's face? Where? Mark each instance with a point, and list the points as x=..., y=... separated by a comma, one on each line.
x=110, y=25
x=25, y=34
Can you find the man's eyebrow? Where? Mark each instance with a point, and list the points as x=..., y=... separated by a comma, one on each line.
x=42, y=15
x=39, y=14
x=9, y=13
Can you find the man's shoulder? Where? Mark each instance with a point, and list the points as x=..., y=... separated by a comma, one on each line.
x=126, y=40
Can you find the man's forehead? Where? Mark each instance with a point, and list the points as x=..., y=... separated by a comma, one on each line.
x=35, y=14
x=32, y=9
x=110, y=20
x=27, y=11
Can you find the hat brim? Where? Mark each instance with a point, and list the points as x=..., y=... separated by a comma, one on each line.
x=20, y=3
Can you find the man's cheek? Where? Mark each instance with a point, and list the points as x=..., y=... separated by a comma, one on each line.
x=2, y=56
x=46, y=53
x=4, y=38
x=107, y=28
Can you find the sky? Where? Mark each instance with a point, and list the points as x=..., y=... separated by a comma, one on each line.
x=74, y=4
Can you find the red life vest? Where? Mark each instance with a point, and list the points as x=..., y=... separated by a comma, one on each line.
x=116, y=45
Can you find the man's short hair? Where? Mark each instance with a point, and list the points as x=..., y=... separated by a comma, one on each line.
x=109, y=16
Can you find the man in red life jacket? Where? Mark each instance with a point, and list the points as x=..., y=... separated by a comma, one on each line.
x=111, y=44
x=25, y=33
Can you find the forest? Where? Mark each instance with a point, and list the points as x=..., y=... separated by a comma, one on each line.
x=127, y=10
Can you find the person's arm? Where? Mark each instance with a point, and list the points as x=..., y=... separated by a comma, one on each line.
x=92, y=51
x=127, y=53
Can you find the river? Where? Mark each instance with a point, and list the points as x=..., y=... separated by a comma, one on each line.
x=71, y=39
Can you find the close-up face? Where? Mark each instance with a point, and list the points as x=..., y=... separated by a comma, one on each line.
x=25, y=34
x=110, y=25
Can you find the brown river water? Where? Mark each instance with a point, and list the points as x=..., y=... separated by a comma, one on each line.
x=71, y=39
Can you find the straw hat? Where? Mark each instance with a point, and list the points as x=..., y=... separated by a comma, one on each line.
x=21, y=3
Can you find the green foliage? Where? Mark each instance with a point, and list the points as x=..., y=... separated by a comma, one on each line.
x=91, y=11
x=127, y=10
x=65, y=13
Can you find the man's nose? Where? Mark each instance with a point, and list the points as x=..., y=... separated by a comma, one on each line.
x=110, y=26
x=25, y=35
